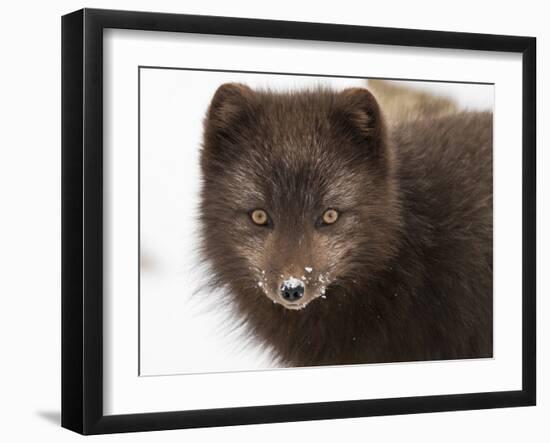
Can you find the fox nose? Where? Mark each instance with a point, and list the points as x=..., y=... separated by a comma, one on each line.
x=292, y=289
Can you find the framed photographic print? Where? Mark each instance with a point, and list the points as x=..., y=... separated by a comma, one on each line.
x=270, y=221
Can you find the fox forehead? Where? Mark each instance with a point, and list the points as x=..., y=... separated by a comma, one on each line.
x=306, y=184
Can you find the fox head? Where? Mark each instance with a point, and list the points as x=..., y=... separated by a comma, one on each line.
x=298, y=195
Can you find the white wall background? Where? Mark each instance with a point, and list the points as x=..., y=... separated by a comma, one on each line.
x=30, y=222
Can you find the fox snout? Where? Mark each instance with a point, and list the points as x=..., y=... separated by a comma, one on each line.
x=292, y=289
x=293, y=292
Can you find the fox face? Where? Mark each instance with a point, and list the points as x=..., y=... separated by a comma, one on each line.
x=298, y=198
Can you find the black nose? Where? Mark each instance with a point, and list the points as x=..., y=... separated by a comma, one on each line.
x=292, y=289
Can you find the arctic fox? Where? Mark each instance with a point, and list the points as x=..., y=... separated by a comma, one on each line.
x=347, y=234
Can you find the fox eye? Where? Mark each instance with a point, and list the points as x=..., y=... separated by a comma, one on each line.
x=330, y=216
x=259, y=217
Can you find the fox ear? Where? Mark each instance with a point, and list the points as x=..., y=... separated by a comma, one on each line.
x=361, y=119
x=230, y=108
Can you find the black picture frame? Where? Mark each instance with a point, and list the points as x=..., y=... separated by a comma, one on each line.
x=82, y=220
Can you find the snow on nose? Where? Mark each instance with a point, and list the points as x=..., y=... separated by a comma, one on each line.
x=292, y=289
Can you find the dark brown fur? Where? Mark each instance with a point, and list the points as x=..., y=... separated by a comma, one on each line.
x=407, y=268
